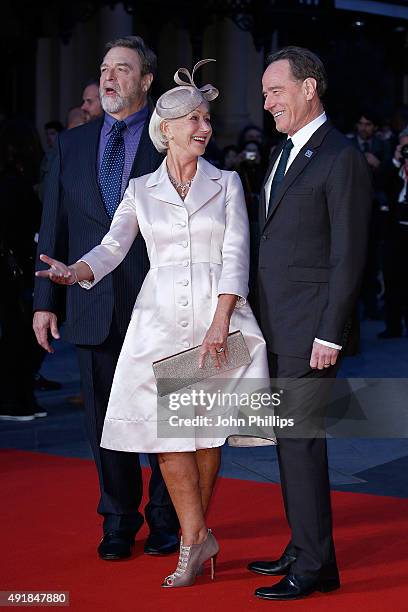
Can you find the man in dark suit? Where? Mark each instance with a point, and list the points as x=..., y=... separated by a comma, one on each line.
x=396, y=242
x=90, y=171
x=314, y=216
x=378, y=153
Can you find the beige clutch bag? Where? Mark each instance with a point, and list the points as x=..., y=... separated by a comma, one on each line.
x=180, y=370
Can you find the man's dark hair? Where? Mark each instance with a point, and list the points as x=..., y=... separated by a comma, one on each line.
x=54, y=125
x=304, y=64
x=369, y=114
x=148, y=59
x=91, y=82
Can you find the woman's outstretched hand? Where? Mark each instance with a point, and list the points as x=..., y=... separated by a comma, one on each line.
x=57, y=272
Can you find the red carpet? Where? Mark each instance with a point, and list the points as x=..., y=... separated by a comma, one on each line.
x=49, y=532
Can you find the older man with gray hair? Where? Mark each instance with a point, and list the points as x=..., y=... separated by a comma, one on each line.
x=91, y=170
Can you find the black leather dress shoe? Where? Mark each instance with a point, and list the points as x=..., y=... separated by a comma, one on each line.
x=296, y=587
x=43, y=384
x=279, y=567
x=161, y=543
x=116, y=545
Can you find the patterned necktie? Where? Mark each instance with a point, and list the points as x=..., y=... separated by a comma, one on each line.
x=110, y=175
x=280, y=170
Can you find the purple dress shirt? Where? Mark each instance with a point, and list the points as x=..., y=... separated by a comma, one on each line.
x=131, y=136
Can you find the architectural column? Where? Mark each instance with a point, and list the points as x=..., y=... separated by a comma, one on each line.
x=254, y=84
x=174, y=51
x=68, y=87
x=113, y=23
x=405, y=76
x=47, y=84
x=233, y=52
x=79, y=63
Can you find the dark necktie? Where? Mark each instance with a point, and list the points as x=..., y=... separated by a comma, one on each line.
x=280, y=170
x=366, y=147
x=110, y=175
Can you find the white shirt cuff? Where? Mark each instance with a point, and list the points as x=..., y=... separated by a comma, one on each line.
x=329, y=344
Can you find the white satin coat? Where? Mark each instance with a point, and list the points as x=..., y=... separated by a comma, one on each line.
x=198, y=249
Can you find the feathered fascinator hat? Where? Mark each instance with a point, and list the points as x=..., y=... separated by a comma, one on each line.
x=181, y=100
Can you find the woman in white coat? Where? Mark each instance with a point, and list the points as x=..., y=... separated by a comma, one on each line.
x=194, y=222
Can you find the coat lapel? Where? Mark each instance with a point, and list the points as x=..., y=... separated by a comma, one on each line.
x=159, y=186
x=203, y=188
x=302, y=159
x=92, y=140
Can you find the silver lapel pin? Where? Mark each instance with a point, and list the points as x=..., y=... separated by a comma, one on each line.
x=308, y=153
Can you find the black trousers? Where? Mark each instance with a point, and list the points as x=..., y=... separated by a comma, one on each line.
x=396, y=278
x=120, y=477
x=16, y=343
x=303, y=468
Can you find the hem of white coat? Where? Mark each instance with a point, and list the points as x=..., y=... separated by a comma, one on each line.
x=117, y=433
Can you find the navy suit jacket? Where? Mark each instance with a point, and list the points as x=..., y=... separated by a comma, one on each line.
x=74, y=220
x=313, y=246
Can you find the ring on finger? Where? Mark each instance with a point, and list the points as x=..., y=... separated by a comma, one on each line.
x=220, y=350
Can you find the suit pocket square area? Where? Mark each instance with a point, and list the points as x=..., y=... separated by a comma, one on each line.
x=180, y=370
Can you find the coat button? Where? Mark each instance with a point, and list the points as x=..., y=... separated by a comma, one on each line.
x=186, y=264
x=184, y=323
x=183, y=302
x=186, y=344
x=184, y=282
x=184, y=243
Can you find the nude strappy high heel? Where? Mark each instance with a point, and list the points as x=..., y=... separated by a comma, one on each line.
x=190, y=562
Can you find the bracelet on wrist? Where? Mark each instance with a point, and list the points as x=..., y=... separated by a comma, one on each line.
x=76, y=280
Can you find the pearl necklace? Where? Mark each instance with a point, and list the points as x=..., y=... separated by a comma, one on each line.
x=180, y=186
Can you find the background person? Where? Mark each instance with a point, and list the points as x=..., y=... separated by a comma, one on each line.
x=91, y=103
x=75, y=117
x=396, y=243
x=378, y=153
x=20, y=156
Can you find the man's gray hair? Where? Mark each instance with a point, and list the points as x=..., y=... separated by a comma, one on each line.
x=148, y=59
x=403, y=133
x=156, y=135
x=304, y=64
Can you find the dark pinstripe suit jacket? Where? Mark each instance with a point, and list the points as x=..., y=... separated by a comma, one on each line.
x=313, y=246
x=74, y=221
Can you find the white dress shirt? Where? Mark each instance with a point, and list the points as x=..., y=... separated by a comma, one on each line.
x=299, y=140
